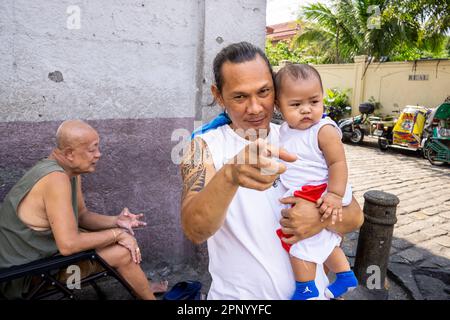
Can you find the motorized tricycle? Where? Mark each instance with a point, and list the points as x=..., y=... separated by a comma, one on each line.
x=436, y=147
x=406, y=132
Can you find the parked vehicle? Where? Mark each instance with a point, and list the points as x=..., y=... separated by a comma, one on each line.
x=407, y=131
x=437, y=144
x=354, y=128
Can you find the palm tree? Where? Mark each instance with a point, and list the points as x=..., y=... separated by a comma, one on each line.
x=375, y=27
x=327, y=27
x=434, y=19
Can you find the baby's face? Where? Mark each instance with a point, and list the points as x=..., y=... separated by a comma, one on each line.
x=301, y=102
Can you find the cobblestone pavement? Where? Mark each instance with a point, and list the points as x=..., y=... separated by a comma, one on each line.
x=420, y=254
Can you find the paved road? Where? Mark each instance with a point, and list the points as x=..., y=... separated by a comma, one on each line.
x=420, y=255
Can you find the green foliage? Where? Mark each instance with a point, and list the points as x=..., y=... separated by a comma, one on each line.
x=299, y=54
x=447, y=46
x=279, y=52
x=336, y=97
x=402, y=30
x=336, y=102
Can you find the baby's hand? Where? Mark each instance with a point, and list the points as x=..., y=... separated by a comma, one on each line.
x=330, y=204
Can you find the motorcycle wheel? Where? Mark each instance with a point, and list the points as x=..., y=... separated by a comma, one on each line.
x=344, y=138
x=431, y=154
x=383, y=144
x=357, y=136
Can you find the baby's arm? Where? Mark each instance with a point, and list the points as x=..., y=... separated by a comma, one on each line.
x=333, y=151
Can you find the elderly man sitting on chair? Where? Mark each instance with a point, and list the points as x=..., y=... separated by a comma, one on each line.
x=43, y=212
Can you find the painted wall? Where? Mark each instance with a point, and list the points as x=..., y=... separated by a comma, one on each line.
x=389, y=83
x=135, y=70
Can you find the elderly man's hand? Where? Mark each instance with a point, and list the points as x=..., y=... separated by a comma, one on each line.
x=128, y=241
x=128, y=220
x=301, y=221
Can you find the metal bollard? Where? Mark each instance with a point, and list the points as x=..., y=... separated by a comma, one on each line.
x=374, y=242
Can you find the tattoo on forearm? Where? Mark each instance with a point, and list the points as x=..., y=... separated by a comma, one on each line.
x=196, y=182
x=193, y=170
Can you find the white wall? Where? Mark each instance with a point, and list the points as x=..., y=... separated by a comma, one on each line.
x=128, y=59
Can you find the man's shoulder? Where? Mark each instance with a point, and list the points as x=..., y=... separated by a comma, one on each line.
x=54, y=180
x=275, y=126
x=216, y=136
x=219, y=131
x=56, y=176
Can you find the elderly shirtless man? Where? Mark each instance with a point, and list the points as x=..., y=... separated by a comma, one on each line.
x=43, y=212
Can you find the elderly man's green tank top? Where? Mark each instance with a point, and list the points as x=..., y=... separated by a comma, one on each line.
x=20, y=244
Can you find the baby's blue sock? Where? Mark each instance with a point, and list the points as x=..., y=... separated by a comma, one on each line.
x=345, y=281
x=305, y=291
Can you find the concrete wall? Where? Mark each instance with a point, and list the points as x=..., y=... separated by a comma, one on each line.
x=135, y=70
x=227, y=22
x=389, y=83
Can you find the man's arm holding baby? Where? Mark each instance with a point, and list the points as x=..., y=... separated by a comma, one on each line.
x=303, y=220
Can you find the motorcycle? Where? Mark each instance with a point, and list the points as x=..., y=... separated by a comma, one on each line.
x=354, y=128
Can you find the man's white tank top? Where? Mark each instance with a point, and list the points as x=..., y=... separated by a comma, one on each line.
x=246, y=259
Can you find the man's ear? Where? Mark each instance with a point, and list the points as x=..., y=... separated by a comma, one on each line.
x=217, y=96
x=68, y=153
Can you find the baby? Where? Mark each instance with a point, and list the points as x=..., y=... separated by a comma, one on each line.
x=319, y=175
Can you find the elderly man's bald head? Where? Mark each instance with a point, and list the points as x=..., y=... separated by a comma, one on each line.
x=72, y=133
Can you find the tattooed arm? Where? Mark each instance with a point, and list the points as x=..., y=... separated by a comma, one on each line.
x=206, y=193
